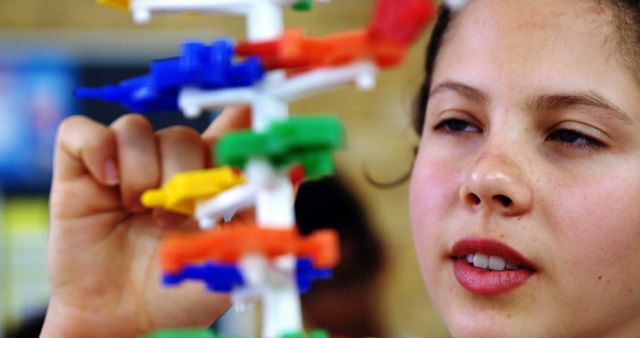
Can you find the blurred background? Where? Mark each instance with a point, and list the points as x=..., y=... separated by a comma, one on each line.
x=47, y=48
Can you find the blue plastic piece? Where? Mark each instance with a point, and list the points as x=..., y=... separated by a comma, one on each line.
x=217, y=277
x=307, y=273
x=206, y=67
x=224, y=277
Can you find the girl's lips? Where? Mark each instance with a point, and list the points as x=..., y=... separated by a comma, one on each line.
x=485, y=282
x=489, y=247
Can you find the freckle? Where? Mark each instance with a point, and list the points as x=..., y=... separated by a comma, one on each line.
x=599, y=277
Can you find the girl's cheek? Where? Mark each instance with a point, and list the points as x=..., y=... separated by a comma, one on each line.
x=608, y=234
x=433, y=193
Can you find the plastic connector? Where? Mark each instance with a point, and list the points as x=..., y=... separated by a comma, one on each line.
x=184, y=333
x=308, y=141
x=400, y=22
x=302, y=5
x=219, y=277
x=295, y=51
x=396, y=24
x=306, y=273
x=228, y=244
x=210, y=211
x=277, y=92
x=314, y=334
x=199, y=66
x=181, y=193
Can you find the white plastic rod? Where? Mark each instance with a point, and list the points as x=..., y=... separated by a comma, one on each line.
x=142, y=9
x=193, y=101
x=238, y=198
x=361, y=72
x=274, y=204
x=281, y=300
x=264, y=21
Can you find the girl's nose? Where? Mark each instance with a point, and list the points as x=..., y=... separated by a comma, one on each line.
x=496, y=184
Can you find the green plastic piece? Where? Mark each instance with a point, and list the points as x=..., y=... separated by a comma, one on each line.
x=314, y=334
x=308, y=141
x=302, y=5
x=184, y=333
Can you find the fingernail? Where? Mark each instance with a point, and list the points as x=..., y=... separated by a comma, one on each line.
x=111, y=173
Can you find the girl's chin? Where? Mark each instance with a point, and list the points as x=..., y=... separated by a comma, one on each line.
x=480, y=327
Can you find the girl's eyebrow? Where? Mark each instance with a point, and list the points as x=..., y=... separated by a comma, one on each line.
x=542, y=103
x=470, y=93
x=587, y=99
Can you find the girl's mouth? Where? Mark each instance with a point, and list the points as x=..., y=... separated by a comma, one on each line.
x=487, y=267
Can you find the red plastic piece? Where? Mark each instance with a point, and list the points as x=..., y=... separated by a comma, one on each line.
x=401, y=21
x=396, y=24
x=296, y=175
x=229, y=244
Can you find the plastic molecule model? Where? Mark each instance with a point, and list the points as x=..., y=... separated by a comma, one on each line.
x=266, y=260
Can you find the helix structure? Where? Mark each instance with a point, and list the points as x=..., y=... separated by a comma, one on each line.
x=266, y=260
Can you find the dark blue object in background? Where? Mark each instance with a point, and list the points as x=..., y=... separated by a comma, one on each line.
x=34, y=98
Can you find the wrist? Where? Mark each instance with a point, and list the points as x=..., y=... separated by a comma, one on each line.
x=69, y=322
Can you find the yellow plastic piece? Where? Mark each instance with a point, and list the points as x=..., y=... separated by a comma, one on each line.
x=119, y=4
x=182, y=192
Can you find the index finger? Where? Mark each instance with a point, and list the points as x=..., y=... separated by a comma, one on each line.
x=85, y=145
x=231, y=118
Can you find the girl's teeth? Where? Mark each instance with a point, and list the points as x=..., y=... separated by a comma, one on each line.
x=496, y=263
x=481, y=261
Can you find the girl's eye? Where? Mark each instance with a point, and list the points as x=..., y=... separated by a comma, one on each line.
x=456, y=126
x=575, y=139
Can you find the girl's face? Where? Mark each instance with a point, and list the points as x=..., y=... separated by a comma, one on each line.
x=530, y=164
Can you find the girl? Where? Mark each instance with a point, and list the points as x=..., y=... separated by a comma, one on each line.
x=523, y=197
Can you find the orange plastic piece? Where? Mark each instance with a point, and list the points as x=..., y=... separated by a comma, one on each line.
x=229, y=244
x=294, y=50
x=396, y=24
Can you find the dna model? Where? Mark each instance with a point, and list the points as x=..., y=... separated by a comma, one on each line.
x=267, y=260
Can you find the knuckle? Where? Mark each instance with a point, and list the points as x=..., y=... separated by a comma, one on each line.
x=82, y=132
x=179, y=134
x=132, y=122
x=72, y=123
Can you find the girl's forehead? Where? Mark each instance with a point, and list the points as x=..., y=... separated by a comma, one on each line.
x=535, y=47
x=539, y=13
x=519, y=23
x=513, y=50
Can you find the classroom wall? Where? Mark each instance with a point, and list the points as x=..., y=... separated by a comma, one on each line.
x=379, y=136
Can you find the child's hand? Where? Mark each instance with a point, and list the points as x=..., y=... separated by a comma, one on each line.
x=103, y=270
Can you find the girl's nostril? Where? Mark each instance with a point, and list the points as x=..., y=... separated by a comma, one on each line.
x=502, y=199
x=473, y=199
